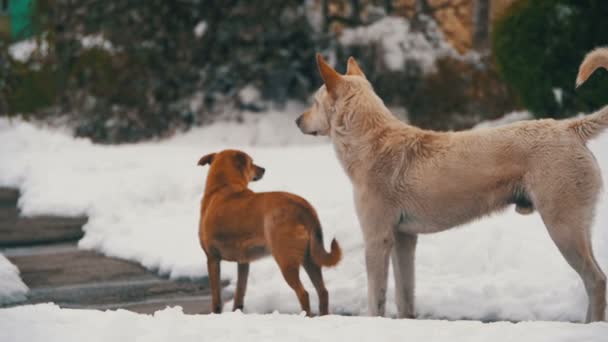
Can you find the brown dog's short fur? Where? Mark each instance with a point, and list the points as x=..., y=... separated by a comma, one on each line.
x=240, y=225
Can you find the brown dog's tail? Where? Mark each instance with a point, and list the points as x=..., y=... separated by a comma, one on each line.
x=590, y=126
x=318, y=253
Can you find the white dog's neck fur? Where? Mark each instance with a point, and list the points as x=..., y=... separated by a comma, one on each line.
x=365, y=115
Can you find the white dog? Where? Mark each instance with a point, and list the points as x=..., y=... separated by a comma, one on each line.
x=408, y=181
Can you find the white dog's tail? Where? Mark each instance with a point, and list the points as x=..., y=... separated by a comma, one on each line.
x=597, y=58
x=592, y=125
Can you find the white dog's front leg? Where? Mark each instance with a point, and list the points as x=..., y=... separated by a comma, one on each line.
x=377, y=252
x=403, y=267
x=378, y=226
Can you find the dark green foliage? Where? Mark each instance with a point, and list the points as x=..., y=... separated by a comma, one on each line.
x=459, y=95
x=539, y=45
x=143, y=86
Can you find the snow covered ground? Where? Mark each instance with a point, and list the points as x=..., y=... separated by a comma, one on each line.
x=12, y=288
x=48, y=323
x=142, y=201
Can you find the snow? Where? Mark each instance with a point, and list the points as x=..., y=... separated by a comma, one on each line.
x=506, y=119
x=96, y=41
x=48, y=323
x=143, y=205
x=12, y=288
x=23, y=50
x=398, y=43
x=558, y=94
x=200, y=29
x=249, y=95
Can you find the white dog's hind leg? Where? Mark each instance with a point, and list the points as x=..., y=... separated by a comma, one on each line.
x=567, y=208
x=403, y=257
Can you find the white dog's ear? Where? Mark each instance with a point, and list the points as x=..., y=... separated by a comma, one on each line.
x=353, y=68
x=331, y=77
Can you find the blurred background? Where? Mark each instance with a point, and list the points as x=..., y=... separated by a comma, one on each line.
x=125, y=70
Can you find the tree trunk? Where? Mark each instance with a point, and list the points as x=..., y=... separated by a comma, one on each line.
x=355, y=14
x=421, y=8
x=481, y=25
x=325, y=14
x=388, y=6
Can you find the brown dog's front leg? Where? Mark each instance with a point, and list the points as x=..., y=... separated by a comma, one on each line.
x=241, y=286
x=213, y=268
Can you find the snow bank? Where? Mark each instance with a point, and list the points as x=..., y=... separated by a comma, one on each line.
x=12, y=288
x=48, y=323
x=143, y=203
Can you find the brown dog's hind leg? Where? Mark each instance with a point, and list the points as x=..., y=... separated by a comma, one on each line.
x=316, y=277
x=291, y=273
x=241, y=286
x=213, y=268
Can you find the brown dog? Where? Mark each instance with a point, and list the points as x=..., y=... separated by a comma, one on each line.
x=240, y=225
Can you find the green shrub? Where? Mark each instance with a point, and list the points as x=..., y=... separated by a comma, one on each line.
x=539, y=45
x=31, y=88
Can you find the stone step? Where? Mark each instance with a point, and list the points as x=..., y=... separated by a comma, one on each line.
x=8, y=197
x=27, y=231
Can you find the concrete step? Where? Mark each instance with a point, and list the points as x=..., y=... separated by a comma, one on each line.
x=71, y=266
x=190, y=305
x=8, y=213
x=117, y=294
x=27, y=231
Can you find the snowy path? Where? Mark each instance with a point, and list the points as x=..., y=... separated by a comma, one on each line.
x=48, y=323
x=142, y=203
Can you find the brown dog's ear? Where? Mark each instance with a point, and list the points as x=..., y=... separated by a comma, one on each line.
x=208, y=159
x=240, y=160
x=330, y=77
x=353, y=68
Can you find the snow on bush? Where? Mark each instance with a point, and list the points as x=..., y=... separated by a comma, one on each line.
x=23, y=50
x=400, y=44
x=48, y=323
x=96, y=41
x=143, y=205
